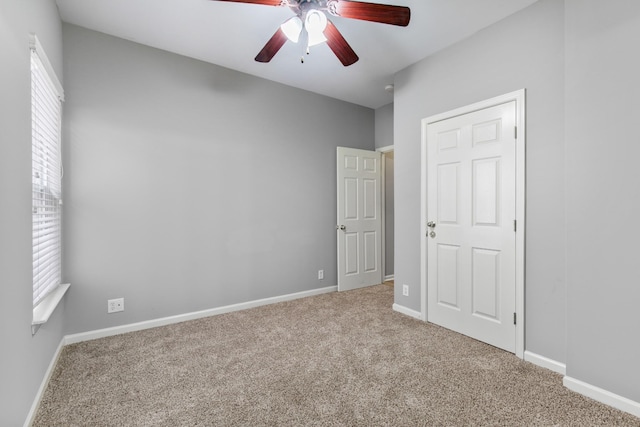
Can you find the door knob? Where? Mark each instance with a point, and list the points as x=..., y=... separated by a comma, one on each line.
x=341, y=227
x=431, y=224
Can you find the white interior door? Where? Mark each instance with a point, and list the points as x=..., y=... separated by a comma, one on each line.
x=471, y=238
x=359, y=226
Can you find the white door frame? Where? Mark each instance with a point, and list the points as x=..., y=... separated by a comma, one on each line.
x=383, y=198
x=519, y=97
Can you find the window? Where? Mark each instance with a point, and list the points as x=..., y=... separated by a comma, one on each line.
x=46, y=119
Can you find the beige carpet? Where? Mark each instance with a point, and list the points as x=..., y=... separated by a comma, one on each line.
x=343, y=359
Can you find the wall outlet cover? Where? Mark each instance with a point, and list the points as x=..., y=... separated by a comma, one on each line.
x=115, y=305
x=405, y=290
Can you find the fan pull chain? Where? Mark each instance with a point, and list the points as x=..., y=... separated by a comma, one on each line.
x=306, y=50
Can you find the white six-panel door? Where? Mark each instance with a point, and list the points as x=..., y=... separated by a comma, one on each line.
x=471, y=209
x=359, y=224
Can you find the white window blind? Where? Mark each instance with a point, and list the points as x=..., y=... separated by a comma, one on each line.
x=46, y=116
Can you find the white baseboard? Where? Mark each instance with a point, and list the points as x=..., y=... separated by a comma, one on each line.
x=388, y=277
x=43, y=385
x=407, y=311
x=545, y=362
x=603, y=396
x=116, y=330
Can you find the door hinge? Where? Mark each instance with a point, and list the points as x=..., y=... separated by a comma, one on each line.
x=515, y=132
x=515, y=225
x=514, y=318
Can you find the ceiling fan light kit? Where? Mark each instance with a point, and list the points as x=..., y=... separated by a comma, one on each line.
x=292, y=28
x=315, y=24
x=311, y=18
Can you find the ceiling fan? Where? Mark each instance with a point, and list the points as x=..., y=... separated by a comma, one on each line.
x=311, y=26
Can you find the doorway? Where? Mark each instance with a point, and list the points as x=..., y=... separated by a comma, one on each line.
x=359, y=220
x=388, y=217
x=365, y=222
x=472, y=243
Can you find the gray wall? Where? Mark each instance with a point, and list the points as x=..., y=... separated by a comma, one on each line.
x=191, y=186
x=384, y=126
x=603, y=203
x=24, y=359
x=526, y=50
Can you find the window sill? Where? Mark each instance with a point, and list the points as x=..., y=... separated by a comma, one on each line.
x=43, y=311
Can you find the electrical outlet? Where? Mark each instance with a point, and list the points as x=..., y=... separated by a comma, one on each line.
x=405, y=290
x=320, y=274
x=115, y=305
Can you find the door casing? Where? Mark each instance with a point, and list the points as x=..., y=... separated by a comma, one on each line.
x=519, y=98
x=383, y=197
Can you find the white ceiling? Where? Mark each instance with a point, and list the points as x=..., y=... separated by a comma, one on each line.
x=231, y=34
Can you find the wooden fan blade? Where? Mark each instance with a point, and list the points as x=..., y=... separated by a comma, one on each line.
x=272, y=47
x=374, y=12
x=264, y=2
x=339, y=45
